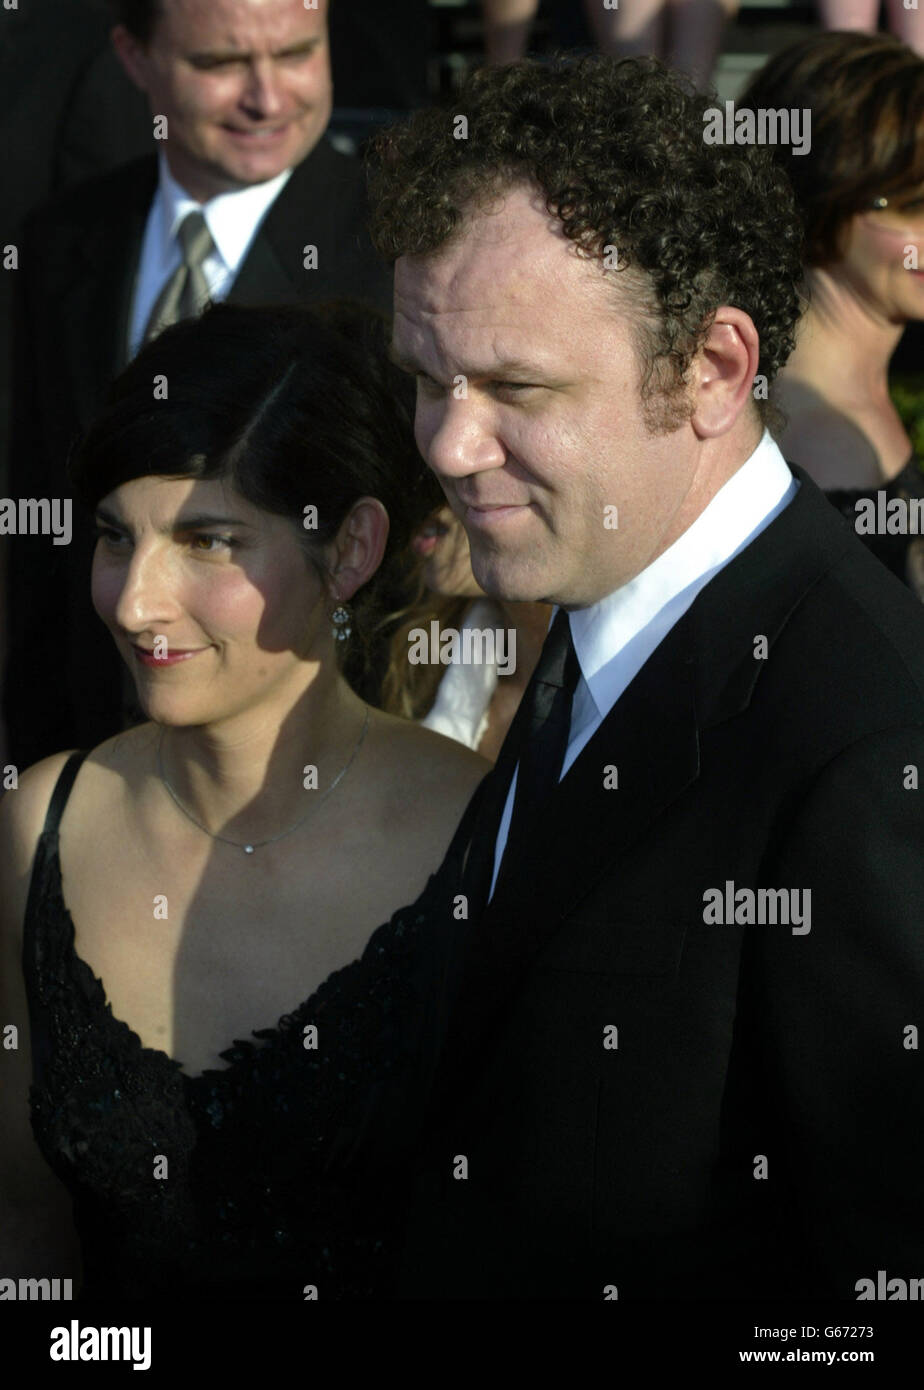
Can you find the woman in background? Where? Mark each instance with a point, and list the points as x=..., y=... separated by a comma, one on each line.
x=220, y=872
x=472, y=702
x=861, y=195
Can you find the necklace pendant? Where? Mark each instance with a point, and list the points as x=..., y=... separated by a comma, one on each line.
x=248, y=849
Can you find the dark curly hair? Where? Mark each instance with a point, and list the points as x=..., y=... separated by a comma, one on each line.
x=617, y=148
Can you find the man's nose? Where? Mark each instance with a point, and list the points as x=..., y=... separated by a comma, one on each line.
x=263, y=93
x=459, y=439
x=147, y=597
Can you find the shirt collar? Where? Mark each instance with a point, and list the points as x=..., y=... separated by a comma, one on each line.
x=232, y=218
x=661, y=593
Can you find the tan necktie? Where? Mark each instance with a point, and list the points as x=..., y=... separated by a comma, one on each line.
x=186, y=293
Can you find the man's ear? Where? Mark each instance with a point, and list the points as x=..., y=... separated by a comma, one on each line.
x=132, y=54
x=723, y=373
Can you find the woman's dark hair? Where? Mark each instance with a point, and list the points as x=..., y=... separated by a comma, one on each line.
x=866, y=96
x=295, y=409
x=617, y=150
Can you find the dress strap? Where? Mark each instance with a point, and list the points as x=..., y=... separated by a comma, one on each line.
x=62, y=791
x=44, y=926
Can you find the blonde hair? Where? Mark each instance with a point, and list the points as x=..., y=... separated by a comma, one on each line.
x=409, y=690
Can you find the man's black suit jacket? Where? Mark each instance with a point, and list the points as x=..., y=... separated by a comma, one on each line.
x=77, y=269
x=753, y=1125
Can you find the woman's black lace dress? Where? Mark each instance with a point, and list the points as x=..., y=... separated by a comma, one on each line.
x=283, y=1170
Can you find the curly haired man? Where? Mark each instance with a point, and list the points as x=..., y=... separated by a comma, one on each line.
x=688, y=948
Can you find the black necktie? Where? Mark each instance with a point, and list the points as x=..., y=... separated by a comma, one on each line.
x=538, y=739
x=490, y=962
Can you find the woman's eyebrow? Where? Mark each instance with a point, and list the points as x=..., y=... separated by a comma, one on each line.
x=188, y=523
x=180, y=523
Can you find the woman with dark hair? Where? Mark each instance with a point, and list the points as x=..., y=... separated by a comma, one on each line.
x=860, y=190
x=225, y=864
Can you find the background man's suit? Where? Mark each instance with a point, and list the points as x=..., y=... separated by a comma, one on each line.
x=741, y=1049
x=78, y=265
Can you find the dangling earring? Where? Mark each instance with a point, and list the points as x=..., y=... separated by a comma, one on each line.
x=342, y=619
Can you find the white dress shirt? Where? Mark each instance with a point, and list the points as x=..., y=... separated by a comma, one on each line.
x=464, y=695
x=614, y=637
x=233, y=220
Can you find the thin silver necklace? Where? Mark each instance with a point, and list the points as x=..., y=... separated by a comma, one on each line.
x=249, y=848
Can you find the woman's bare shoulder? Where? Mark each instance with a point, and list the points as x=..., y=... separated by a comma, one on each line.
x=434, y=756
x=23, y=809
x=427, y=782
x=426, y=768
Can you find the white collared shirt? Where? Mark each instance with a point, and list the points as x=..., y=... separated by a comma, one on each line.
x=614, y=637
x=233, y=220
x=464, y=694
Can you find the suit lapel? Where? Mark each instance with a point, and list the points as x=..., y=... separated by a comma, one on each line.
x=263, y=277
x=270, y=271
x=478, y=863
x=319, y=191
x=590, y=819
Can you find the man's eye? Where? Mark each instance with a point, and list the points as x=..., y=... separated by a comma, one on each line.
x=514, y=388
x=208, y=64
